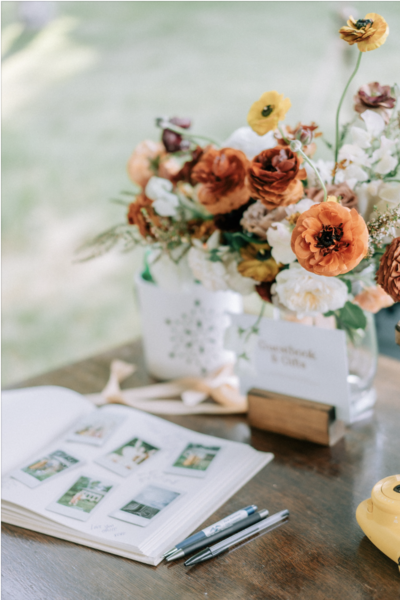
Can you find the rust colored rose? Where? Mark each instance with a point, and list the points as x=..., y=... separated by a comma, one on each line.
x=274, y=177
x=376, y=97
x=185, y=173
x=142, y=163
x=373, y=299
x=329, y=239
x=135, y=215
x=388, y=275
x=223, y=175
x=343, y=193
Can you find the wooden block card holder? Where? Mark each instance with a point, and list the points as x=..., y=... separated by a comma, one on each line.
x=294, y=417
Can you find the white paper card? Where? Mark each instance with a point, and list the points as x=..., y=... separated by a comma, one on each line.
x=294, y=359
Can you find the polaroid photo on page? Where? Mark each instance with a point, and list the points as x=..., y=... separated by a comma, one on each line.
x=46, y=467
x=195, y=460
x=146, y=505
x=95, y=429
x=125, y=459
x=82, y=498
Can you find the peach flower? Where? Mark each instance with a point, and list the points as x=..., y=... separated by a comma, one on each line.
x=330, y=239
x=140, y=163
x=274, y=177
x=373, y=299
x=223, y=175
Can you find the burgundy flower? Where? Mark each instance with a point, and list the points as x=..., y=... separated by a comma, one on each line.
x=374, y=96
x=172, y=141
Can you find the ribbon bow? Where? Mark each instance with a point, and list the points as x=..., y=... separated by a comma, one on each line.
x=222, y=387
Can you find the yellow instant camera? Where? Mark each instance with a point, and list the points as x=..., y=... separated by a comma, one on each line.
x=379, y=517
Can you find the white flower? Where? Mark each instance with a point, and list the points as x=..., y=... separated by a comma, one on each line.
x=300, y=207
x=215, y=267
x=249, y=142
x=374, y=127
x=360, y=137
x=159, y=190
x=324, y=168
x=355, y=158
x=279, y=236
x=354, y=154
x=373, y=122
x=379, y=194
x=384, y=154
x=308, y=294
x=170, y=275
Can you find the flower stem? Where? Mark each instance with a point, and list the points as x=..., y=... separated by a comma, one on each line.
x=308, y=161
x=312, y=165
x=340, y=106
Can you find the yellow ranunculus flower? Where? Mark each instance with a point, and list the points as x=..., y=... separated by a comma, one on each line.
x=265, y=114
x=368, y=33
x=255, y=266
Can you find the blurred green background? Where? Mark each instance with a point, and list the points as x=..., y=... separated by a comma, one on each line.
x=81, y=85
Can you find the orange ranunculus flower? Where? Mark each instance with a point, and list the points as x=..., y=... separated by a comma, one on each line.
x=140, y=163
x=373, y=299
x=223, y=175
x=136, y=217
x=330, y=239
x=274, y=177
x=368, y=33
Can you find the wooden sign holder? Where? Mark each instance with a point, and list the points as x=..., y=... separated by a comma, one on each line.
x=294, y=417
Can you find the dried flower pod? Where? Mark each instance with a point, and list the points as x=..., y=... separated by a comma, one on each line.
x=388, y=275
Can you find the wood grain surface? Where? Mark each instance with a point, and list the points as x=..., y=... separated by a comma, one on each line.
x=319, y=554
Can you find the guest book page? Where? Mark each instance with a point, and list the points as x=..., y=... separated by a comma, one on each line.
x=294, y=359
x=116, y=478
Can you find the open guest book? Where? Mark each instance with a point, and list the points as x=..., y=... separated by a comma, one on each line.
x=112, y=478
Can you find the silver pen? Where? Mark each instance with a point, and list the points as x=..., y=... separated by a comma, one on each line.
x=236, y=538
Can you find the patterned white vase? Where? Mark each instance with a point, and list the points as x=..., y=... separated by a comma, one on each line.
x=183, y=332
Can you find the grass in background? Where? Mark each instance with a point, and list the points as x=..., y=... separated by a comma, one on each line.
x=81, y=92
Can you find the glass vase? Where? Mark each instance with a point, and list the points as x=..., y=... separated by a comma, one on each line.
x=362, y=359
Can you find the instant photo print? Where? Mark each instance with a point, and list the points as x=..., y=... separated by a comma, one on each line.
x=46, y=467
x=95, y=429
x=82, y=498
x=125, y=459
x=146, y=505
x=195, y=460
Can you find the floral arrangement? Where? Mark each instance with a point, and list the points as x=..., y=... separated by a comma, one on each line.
x=257, y=213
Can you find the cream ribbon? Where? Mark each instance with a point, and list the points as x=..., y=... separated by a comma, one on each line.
x=222, y=387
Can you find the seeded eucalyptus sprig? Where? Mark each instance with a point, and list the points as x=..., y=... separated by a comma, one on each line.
x=381, y=225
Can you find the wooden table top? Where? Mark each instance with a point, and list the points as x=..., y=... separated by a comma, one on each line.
x=319, y=554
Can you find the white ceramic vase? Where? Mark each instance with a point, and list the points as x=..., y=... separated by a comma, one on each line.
x=183, y=331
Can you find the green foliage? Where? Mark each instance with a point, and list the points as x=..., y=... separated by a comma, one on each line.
x=349, y=318
x=239, y=239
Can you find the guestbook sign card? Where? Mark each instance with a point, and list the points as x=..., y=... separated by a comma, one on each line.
x=290, y=358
